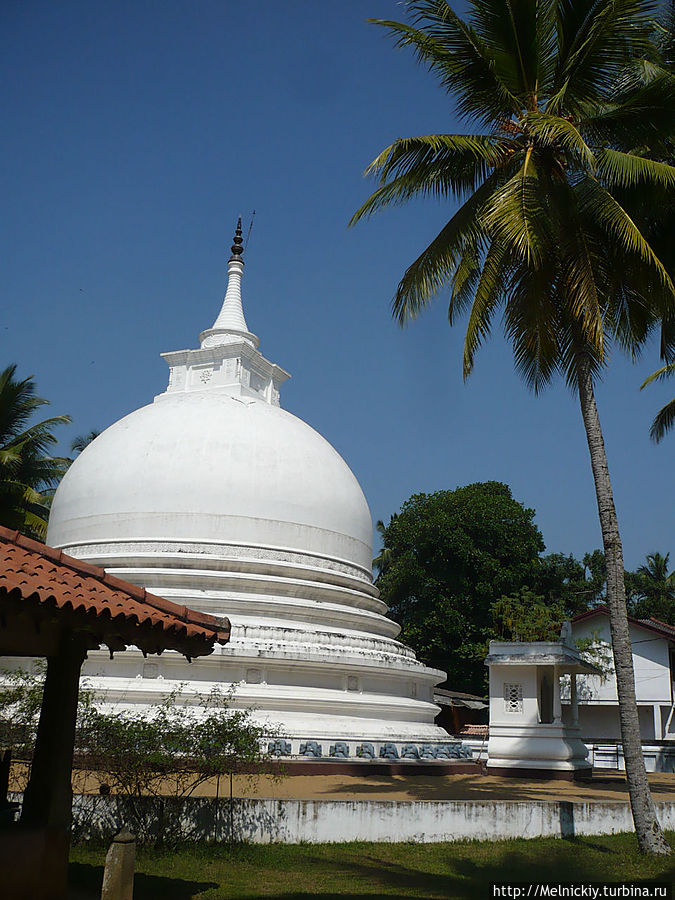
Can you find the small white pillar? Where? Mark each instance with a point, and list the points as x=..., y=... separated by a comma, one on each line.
x=574, y=699
x=557, y=707
x=658, y=728
x=118, y=875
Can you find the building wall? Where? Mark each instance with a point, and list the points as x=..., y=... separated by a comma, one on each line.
x=602, y=722
x=650, y=659
x=598, y=704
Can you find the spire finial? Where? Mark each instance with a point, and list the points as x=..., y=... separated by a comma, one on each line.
x=230, y=326
x=237, y=248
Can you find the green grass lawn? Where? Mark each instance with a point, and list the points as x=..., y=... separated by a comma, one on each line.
x=362, y=870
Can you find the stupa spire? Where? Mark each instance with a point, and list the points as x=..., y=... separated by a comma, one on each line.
x=231, y=324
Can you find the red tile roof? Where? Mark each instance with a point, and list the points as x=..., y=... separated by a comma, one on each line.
x=654, y=625
x=118, y=610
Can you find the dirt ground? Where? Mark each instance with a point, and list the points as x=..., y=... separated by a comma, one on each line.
x=607, y=785
x=610, y=786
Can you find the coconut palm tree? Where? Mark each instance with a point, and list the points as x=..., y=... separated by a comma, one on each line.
x=383, y=559
x=79, y=443
x=564, y=100
x=663, y=225
x=656, y=587
x=28, y=474
x=665, y=417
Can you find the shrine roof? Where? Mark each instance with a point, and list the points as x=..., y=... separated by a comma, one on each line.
x=43, y=587
x=654, y=625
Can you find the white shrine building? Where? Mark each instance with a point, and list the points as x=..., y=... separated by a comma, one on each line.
x=217, y=498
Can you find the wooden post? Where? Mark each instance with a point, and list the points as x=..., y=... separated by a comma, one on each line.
x=48, y=796
x=118, y=875
x=47, y=800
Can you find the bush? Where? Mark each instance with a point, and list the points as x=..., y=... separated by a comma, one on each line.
x=145, y=761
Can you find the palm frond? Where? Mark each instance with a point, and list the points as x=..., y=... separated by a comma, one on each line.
x=663, y=422
x=604, y=37
x=516, y=217
x=436, y=265
x=466, y=275
x=645, y=113
x=600, y=206
x=530, y=323
x=617, y=168
x=660, y=375
x=432, y=165
x=457, y=56
x=557, y=132
x=489, y=294
x=510, y=30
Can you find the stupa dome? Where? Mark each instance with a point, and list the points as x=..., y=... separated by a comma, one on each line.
x=216, y=498
x=209, y=466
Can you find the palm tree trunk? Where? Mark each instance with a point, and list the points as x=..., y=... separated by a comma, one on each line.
x=649, y=834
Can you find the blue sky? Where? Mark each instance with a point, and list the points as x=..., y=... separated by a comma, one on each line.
x=136, y=132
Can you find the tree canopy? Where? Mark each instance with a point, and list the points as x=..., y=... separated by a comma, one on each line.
x=28, y=473
x=461, y=567
x=450, y=555
x=652, y=589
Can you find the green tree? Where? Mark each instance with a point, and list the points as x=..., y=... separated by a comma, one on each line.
x=549, y=230
x=83, y=440
x=661, y=221
x=654, y=588
x=576, y=586
x=665, y=417
x=383, y=558
x=28, y=474
x=450, y=554
x=526, y=616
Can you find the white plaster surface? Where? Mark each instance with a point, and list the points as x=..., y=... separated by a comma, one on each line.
x=324, y=821
x=519, y=737
x=598, y=704
x=650, y=661
x=215, y=497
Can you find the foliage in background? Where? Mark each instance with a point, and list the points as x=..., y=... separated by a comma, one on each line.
x=527, y=616
x=28, y=473
x=459, y=568
x=150, y=762
x=576, y=585
x=451, y=554
x=172, y=751
x=652, y=589
x=146, y=763
x=79, y=443
x=20, y=702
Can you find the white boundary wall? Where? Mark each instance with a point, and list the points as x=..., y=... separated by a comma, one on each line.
x=325, y=821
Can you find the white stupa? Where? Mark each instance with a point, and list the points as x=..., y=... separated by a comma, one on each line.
x=215, y=497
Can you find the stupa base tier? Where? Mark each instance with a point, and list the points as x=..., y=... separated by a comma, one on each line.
x=582, y=773
x=293, y=698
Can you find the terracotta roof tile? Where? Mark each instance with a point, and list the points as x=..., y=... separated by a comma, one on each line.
x=35, y=571
x=651, y=624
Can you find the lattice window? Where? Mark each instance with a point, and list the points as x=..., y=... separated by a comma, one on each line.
x=513, y=698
